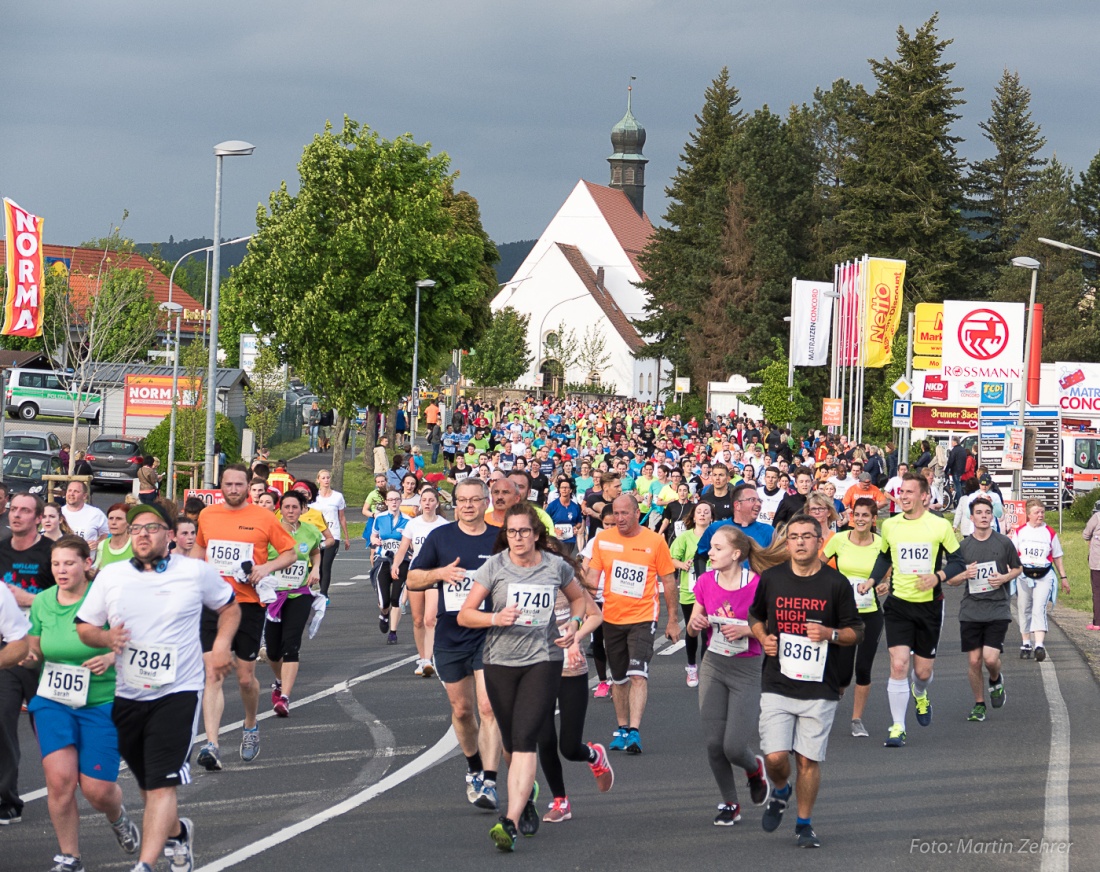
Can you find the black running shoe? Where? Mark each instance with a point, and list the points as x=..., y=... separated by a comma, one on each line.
x=807, y=838
x=529, y=820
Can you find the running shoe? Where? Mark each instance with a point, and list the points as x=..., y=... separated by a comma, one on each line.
x=633, y=742
x=858, y=730
x=997, y=693
x=67, y=863
x=250, y=744
x=282, y=707
x=618, y=739
x=560, y=810
x=419, y=671
x=208, y=758
x=529, y=819
x=1093, y=627
x=1025, y=652
x=10, y=815
x=693, y=676
x=126, y=832
x=924, y=708
x=807, y=838
x=759, y=786
x=391, y=639
x=487, y=797
x=429, y=670
x=728, y=815
x=504, y=834
x=142, y=867
x=977, y=714
x=896, y=737
x=603, y=690
x=473, y=786
x=384, y=624
x=773, y=814
x=1040, y=653
x=276, y=692
x=180, y=852
x=601, y=769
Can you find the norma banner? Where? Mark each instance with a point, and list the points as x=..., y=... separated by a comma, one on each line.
x=1078, y=387
x=983, y=341
x=831, y=411
x=960, y=419
x=811, y=320
x=23, y=306
x=882, y=313
x=150, y=396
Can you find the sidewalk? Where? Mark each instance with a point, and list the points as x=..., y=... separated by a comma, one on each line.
x=1073, y=624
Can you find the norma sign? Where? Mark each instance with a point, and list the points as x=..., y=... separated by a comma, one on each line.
x=961, y=419
x=983, y=340
x=150, y=396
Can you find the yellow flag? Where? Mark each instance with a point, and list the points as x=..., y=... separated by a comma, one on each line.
x=883, y=310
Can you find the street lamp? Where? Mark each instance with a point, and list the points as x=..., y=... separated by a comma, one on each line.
x=1067, y=247
x=172, y=276
x=231, y=148
x=415, y=398
x=1033, y=265
x=178, y=310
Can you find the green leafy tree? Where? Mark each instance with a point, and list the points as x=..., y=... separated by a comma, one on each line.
x=264, y=398
x=593, y=356
x=502, y=354
x=191, y=440
x=780, y=403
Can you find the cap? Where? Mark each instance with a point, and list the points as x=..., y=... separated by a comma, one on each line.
x=154, y=508
x=985, y=479
x=865, y=476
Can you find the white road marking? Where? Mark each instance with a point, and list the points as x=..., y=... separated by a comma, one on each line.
x=671, y=649
x=429, y=758
x=1056, y=807
x=343, y=583
x=358, y=578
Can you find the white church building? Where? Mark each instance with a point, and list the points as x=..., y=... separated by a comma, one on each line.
x=582, y=274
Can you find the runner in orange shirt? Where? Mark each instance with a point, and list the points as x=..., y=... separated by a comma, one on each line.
x=234, y=538
x=864, y=488
x=633, y=559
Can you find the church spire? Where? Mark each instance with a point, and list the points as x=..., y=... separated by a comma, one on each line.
x=627, y=162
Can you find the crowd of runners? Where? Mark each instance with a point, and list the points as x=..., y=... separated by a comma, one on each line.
x=780, y=560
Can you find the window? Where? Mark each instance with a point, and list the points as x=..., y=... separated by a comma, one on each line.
x=1086, y=453
x=641, y=383
x=551, y=340
x=649, y=379
x=53, y=383
x=32, y=380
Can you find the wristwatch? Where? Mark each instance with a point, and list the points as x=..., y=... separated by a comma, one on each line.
x=836, y=635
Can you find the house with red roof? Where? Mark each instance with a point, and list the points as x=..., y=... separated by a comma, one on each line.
x=584, y=273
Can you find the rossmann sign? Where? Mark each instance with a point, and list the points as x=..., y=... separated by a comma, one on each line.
x=1078, y=387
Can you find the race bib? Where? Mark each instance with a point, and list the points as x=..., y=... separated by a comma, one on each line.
x=1034, y=554
x=915, y=558
x=564, y=531
x=227, y=557
x=980, y=582
x=454, y=595
x=291, y=578
x=766, y=518
x=678, y=528
x=532, y=495
x=147, y=667
x=863, y=600
x=800, y=659
x=722, y=646
x=65, y=684
x=628, y=579
x=535, y=601
x=390, y=546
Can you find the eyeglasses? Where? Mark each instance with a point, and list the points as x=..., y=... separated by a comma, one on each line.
x=808, y=537
x=471, y=501
x=146, y=528
x=518, y=532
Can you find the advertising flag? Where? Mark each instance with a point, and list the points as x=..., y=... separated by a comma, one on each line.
x=811, y=320
x=23, y=305
x=882, y=312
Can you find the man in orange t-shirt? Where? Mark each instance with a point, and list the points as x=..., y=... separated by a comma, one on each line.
x=633, y=559
x=234, y=538
x=863, y=488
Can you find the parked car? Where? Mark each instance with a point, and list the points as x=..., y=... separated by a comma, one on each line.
x=23, y=471
x=114, y=460
x=34, y=392
x=28, y=440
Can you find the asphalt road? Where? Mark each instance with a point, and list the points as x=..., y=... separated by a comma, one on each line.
x=365, y=775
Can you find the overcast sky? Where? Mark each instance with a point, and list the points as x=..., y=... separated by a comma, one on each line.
x=113, y=106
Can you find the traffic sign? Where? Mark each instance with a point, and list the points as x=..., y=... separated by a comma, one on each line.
x=902, y=388
x=902, y=410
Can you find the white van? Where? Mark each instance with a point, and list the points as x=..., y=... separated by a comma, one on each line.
x=34, y=392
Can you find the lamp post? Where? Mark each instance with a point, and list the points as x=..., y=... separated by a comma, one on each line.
x=172, y=275
x=414, y=400
x=230, y=148
x=1067, y=247
x=176, y=309
x=1033, y=265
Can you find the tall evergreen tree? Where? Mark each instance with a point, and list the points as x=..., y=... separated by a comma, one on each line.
x=1086, y=195
x=682, y=258
x=998, y=185
x=902, y=189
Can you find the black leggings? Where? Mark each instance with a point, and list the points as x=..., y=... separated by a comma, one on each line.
x=328, y=555
x=387, y=584
x=572, y=704
x=522, y=698
x=283, y=638
x=691, y=643
x=860, y=659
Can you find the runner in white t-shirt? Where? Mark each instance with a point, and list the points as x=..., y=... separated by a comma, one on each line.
x=422, y=603
x=330, y=503
x=85, y=520
x=894, y=485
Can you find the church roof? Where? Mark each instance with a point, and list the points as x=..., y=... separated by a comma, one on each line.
x=592, y=282
x=631, y=229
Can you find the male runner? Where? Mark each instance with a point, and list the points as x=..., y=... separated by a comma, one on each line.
x=915, y=543
x=154, y=613
x=85, y=520
x=447, y=560
x=634, y=559
x=718, y=495
x=234, y=538
x=770, y=495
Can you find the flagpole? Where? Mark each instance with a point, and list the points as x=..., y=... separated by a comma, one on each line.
x=845, y=340
x=863, y=345
x=835, y=338
x=790, y=354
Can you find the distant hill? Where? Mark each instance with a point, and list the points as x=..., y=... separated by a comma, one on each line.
x=172, y=251
x=511, y=256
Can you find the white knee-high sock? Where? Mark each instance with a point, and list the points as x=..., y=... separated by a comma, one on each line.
x=897, y=691
x=919, y=686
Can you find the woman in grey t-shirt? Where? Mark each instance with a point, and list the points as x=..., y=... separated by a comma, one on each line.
x=523, y=651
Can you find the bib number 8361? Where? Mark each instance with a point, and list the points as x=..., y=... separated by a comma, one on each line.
x=797, y=651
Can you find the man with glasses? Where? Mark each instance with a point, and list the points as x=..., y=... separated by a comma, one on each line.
x=447, y=561
x=234, y=538
x=746, y=507
x=801, y=608
x=153, y=605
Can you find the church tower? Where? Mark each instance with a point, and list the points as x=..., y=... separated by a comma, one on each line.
x=627, y=163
